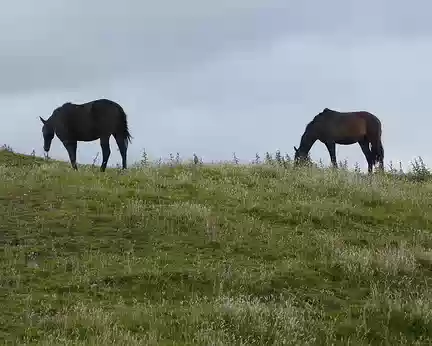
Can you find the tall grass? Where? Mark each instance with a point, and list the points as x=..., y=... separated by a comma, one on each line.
x=187, y=253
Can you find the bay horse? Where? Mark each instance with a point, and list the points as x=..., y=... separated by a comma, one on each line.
x=97, y=119
x=333, y=127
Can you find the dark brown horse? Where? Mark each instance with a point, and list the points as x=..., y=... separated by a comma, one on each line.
x=332, y=127
x=98, y=119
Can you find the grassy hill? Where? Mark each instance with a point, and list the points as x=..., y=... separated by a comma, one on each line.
x=212, y=255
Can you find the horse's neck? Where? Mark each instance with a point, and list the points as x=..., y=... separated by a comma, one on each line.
x=307, y=140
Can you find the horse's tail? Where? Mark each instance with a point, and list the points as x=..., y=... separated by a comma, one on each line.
x=125, y=127
x=377, y=148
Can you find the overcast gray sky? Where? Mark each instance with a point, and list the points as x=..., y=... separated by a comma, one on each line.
x=214, y=77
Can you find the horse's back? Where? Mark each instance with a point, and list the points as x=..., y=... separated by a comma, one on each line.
x=354, y=117
x=99, y=104
x=343, y=127
x=105, y=103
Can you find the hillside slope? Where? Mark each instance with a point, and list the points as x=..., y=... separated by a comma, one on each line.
x=212, y=255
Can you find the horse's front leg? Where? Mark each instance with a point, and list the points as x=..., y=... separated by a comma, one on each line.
x=106, y=151
x=71, y=147
x=331, y=147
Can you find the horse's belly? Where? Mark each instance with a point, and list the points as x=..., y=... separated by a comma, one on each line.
x=87, y=137
x=347, y=136
x=347, y=141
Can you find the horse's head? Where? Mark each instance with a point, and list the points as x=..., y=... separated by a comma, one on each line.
x=298, y=155
x=301, y=157
x=48, y=134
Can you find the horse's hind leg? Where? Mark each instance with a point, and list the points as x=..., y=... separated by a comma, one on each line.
x=106, y=151
x=364, y=145
x=121, y=142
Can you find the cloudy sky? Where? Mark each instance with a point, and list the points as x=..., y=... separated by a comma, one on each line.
x=217, y=77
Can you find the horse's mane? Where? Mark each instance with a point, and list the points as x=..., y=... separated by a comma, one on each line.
x=308, y=128
x=315, y=118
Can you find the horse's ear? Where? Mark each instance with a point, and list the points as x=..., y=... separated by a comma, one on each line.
x=43, y=121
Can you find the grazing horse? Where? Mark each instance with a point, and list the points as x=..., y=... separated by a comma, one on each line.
x=332, y=127
x=98, y=119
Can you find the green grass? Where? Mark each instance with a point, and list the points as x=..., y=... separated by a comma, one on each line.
x=212, y=255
